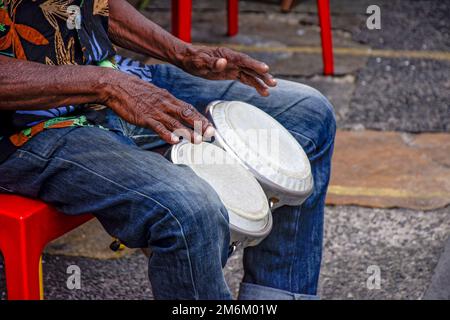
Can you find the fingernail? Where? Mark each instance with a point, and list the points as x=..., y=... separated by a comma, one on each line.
x=174, y=138
x=209, y=133
x=197, y=138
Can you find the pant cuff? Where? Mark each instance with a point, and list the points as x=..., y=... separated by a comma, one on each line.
x=250, y=291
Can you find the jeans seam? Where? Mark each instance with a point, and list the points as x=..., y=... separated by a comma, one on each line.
x=324, y=149
x=305, y=137
x=138, y=193
x=293, y=256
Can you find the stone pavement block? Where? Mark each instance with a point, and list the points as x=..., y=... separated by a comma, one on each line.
x=440, y=283
x=402, y=95
x=118, y=279
x=409, y=25
x=404, y=244
x=389, y=169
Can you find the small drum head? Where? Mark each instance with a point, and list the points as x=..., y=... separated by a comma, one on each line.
x=265, y=148
x=241, y=194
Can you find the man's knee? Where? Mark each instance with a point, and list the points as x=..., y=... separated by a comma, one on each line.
x=311, y=114
x=195, y=217
x=325, y=112
x=204, y=216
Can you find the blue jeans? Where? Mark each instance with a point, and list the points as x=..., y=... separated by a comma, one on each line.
x=146, y=201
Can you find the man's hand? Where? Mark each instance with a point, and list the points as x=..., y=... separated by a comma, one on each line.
x=146, y=105
x=131, y=30
x=226, y=64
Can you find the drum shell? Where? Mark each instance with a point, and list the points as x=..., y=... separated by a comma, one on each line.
x=279, y=198
x=237, y=235
x=278, y=195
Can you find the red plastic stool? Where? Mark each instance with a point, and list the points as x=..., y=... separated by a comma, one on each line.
x=26, y=227
x=182, y=18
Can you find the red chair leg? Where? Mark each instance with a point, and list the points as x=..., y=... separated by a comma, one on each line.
x=22, y=276
x=182, y=19
x=22, y=264
x=233, y=17
x=325, y=32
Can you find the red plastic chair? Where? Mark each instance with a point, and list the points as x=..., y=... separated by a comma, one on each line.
x=182, y=20
x=323, y=8
x=26, y=227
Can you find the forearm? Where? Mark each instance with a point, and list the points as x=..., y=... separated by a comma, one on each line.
x=27, y=85
x=129, y=29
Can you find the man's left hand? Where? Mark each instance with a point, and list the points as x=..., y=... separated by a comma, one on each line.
x=226, y=64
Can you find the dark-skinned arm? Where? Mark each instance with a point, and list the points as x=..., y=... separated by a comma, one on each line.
x=26, y=85
x=129, y=29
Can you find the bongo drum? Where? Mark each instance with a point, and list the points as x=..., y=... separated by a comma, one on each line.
x=241, y=194
x=265, y=148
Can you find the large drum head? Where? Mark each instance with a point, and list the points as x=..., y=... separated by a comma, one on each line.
x=241, y=194
x=265, y=148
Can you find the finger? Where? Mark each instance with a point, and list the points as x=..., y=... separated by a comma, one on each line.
x=161, y=131
x=189, y=115
x=255, y=83
x=178, y=129
x=248, y=62
x=180, y=110
x=267, y=78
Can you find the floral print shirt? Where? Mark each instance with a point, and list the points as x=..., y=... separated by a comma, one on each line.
x=54, y=32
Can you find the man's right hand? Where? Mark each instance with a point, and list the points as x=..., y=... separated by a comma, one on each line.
x=145, y=105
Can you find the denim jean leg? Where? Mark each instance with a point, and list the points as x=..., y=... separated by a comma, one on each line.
x=138, y=196
x=289, y=258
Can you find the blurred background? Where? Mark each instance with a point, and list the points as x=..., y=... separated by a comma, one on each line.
x=388, y=205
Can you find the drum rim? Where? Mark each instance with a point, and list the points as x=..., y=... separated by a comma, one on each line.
x=224, y=145
x=256, y=234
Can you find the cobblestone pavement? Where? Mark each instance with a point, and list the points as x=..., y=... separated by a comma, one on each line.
x=388, y=92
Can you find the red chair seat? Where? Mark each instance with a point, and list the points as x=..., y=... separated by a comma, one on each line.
x=26, y=227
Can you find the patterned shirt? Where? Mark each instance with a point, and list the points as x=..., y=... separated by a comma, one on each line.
x=54, y=32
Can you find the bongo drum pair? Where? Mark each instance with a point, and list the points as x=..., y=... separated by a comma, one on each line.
x=254, y=164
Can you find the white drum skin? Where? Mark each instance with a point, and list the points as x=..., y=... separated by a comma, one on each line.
x=248, y=209
x=285, y=174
